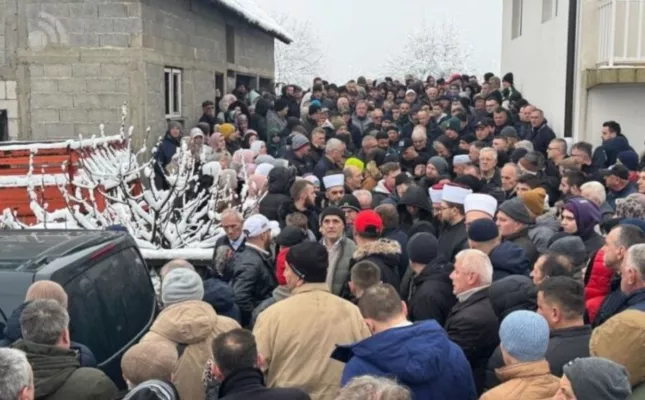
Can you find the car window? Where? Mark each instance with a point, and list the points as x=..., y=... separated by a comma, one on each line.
x=110, y=303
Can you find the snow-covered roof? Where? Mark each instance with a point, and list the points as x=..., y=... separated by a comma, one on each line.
x=248, y=10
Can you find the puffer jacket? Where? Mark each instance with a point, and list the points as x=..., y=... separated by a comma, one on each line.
x=59, y=376
x=509, y=259
x=194, y=324
x=342, y=267
x=525, y=381
x=253, y=279
x=385, y=254
x=280, y=180
x=598, y=285
x=627, y=351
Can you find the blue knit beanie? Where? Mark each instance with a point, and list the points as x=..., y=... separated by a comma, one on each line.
x=524, y=335
x=629, y=158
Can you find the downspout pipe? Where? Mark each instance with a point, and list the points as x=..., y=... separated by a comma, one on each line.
x=570, y=74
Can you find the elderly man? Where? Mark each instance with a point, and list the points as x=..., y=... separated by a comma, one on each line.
x=510, y=173
x=478, y=206
x=364, y=198
x=368, y=145
x=333, y=158
x=339, y=247
x=488, y=168
x=232, y=224
x=617, y=181
x=17, y=378
x=353, y=178
x=334, y=189
x=46, y=342
x=514, y=221
x=307, y=323
x=459, y=164
x=472, y=323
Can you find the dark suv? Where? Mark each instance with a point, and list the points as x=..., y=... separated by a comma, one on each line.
x=111, y=298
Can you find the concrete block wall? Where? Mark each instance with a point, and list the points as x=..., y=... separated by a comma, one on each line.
x=9, y=102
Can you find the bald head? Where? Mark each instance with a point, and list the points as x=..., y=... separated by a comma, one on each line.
x=47, y=290
x=175, y=264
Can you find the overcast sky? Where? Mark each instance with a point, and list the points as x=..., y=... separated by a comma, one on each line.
x=356, y=34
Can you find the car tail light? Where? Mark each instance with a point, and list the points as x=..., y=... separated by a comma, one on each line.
x=102, y=251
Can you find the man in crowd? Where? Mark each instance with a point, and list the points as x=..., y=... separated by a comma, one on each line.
x=479, y=206
x=16, y=376
x=453, y=238
x=57, y=374
x=234, y=239
x=237, y=365
x=339, y=247
x=550, y=265
x=513, y=222
x=365, y=274
x=541, y=134
x=509, y=175
x=297, y=155
x=334, y=189
x=307, y=323
x=303, y=200
x=386, y=186
x=581, y=152
x=488, y=168
x=147, y=369
x=571, y=184
x=561, y=302
x=331, y=161
x=396, y=343
x=353, y=178
x=617, y=181
x=556, y=152
x=472, y=323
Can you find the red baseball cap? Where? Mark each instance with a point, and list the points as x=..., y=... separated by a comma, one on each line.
x=368, y=223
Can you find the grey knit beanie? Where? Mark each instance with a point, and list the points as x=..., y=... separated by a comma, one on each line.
x=598, y=379
x=524, y=335
x=440, y=164
x=181, y=285
x=516, y=210
x=572, y=247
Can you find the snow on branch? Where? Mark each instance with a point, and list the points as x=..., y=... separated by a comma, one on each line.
x=110, y=187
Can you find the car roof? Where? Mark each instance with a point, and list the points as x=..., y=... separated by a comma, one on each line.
x=30, y=250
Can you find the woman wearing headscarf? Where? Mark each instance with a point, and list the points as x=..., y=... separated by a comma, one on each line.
x=231, y=137
x=249, y=137
x=580, y=217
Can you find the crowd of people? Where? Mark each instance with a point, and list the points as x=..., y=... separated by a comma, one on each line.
x=411, y=240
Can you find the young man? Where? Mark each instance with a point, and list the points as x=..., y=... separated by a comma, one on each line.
x=365, y=274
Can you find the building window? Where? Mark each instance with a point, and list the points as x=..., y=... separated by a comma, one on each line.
x=230, y=44
x=172, y=82
x=549, y=10
x=516, y=27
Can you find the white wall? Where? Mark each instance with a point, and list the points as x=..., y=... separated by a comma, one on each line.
x=537, y=58
x=622, y=103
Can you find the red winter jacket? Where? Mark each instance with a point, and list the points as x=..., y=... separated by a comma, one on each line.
x=279, y=265
x=598, y=285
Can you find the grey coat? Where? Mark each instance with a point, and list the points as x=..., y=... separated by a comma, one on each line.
x=341, y=269
x=545, y=227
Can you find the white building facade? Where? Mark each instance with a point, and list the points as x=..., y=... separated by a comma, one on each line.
x=581, y=61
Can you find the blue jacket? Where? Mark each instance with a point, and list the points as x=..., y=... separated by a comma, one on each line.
x=220, y=296
x=420, y=356
x=509, y=259
x=13, y=332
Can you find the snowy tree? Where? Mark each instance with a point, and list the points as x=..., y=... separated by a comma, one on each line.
x=431, y=49
x=185, y=216
x=302, y=60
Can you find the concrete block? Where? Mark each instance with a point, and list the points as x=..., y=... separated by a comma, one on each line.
x=3, y=57
x=13, y=129
x=36, y=71
x=122, y=85
x=99, y=101
x=114, y=70
x=83, y=40
x=11, y=106
x=86, y=70
x=73, y=116
x=134, y=9
x=72, y=85
x=100, y=85
x=42, y=116
x=58, y=101
x=87, y=130
x=99, y=26
x=58, y=70
x=104, y=116
x=57, y=10
x=114, y=40
x=44, y=86
x=113, y=10
x=128, y=25
x=59, y=130
x=86, y=10
x=32, y=10
x=12, y=92
x=3, y=90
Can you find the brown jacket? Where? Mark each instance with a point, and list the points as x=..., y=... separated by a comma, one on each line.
x=297, y=335
x=194, y=324
x=526, y=381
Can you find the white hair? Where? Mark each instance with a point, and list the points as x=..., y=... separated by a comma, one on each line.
x=16, y=373
x=594, y=192
x=373, y=388
x=419, y=132
x=488, y=150
x=524, y=144
x=334, y=144
x=231, y=212
x=362, y=193
x=477, y=262
x=636, y=259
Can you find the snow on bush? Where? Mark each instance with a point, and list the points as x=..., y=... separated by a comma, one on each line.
x=186, y=216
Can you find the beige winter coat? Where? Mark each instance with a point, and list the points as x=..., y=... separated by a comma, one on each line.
x=193, y=323
x=297, y=335
x=526, y=381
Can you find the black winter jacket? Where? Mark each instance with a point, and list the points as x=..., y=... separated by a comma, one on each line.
x=473, y=325
x=522, y=240
x=452, y=240
x=280, y=180
x=431, y=294
x=415, y=196
x=385, y=254
x=253, y=280
x=248, y=384
x=303, y=165
x=311, y=214
x=509, y=259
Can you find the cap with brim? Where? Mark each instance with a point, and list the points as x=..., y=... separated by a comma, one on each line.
x=330, y=181
x=349, y=201
x=455, y=194
x=256, y=225
x=406, y=143
x=619, y=171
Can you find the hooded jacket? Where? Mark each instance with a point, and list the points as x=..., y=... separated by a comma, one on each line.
x=385, y=254
x=380, y=193
x=419, y=356
x=417, y=197
x=275, y=125
x=59, y=376
x=279, y=183
x=613, y=147
x=509, y=259
x=297, y=335
x=13, y=332
x=194, y=324
x=431, y=293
